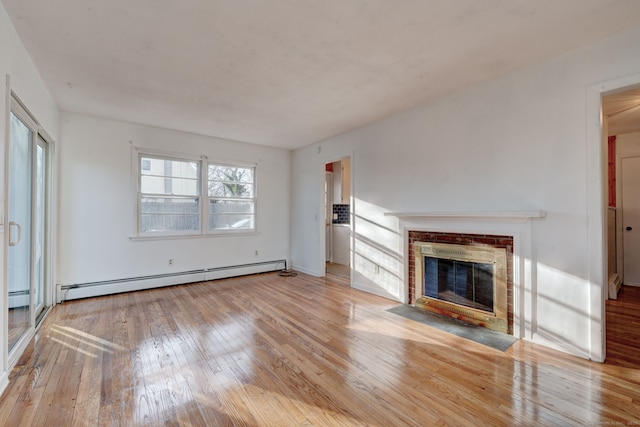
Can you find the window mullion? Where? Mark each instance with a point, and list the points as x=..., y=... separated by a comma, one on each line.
x=204, y=196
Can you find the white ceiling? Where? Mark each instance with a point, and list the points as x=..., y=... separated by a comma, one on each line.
x=622, y=111
x=288, y=73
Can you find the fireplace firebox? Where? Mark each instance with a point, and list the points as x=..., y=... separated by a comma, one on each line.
x=463, y=281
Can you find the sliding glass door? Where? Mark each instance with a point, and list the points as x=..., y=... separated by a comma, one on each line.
x=27, y=255
x=19, y=253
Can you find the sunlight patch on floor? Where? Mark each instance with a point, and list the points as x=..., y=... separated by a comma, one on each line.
x=84, y=338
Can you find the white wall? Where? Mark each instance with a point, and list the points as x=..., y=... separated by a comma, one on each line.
x=29, y=87
x=518, y=143
x=96, y=204
x=628, y=145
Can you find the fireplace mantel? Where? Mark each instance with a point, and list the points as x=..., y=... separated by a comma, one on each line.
x=509, y=216
x=517, y=224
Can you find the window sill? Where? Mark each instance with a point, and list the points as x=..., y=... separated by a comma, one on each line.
x=194, y=236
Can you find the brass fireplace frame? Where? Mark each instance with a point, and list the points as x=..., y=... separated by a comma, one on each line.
x=497, y=320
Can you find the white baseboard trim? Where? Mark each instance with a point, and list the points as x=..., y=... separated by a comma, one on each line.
x=310, y=272
x=108, y=287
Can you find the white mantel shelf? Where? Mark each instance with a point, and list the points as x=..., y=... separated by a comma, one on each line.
x=482, y=216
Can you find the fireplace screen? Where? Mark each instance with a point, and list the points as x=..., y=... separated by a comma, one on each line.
x=460, y=282
x=463, y=281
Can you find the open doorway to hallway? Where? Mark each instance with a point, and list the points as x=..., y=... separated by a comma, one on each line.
x=338, y=217
x=621, y=139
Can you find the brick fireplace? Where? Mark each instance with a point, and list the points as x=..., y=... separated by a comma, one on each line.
x=481, y=241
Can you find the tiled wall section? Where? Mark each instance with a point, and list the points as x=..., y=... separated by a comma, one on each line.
x=340, y=214
x=465, y=239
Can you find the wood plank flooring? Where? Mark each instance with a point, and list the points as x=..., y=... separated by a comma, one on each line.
x=623, y=328
x=266, y=350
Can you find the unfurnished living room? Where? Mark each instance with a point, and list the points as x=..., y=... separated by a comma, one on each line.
x=319, y=213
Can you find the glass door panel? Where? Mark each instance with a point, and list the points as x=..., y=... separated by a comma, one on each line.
x=19, y=229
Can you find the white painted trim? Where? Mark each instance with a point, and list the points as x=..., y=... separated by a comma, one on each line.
x=352, y=223
x=596, y=212
x=515, y=216
x=50, y=220
x=309, y=271
x=4, y=286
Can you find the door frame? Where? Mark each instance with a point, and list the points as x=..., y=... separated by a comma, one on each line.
x=328, y=182
x=48, y=293
x=597, y=233
x=323, y=242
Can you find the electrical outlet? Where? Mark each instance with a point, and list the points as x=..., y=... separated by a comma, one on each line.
x=256, y=253
x=170, y=261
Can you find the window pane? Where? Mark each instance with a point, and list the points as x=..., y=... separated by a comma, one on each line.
x=150, y=184
x=166, y=176
x=230, y=181
x=168, y=214
x=231, y=214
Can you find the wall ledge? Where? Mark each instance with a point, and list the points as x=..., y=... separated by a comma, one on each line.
x=512, y=216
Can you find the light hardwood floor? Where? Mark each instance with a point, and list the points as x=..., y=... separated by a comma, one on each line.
x=267, y=350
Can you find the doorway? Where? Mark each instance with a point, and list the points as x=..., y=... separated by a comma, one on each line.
x=621, y=136
x=338, y=217
x=27, y=235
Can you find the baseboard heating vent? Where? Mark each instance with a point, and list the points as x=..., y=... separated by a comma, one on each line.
x=107, y=287
x=615, y=283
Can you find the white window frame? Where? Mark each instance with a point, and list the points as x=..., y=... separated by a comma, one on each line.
x=252, y=200
x=203, y=163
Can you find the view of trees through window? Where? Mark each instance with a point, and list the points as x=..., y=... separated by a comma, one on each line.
x=231, y=197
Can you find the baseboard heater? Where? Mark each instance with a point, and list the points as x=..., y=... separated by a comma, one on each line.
x=615, y=283
x=107, y=287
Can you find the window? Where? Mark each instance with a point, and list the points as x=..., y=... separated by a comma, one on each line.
x=231, y=197
x=171, y=190
x=169, y=195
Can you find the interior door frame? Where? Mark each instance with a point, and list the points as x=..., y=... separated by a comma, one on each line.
x=328, y=182
x=597, y=233
x=323, y=242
